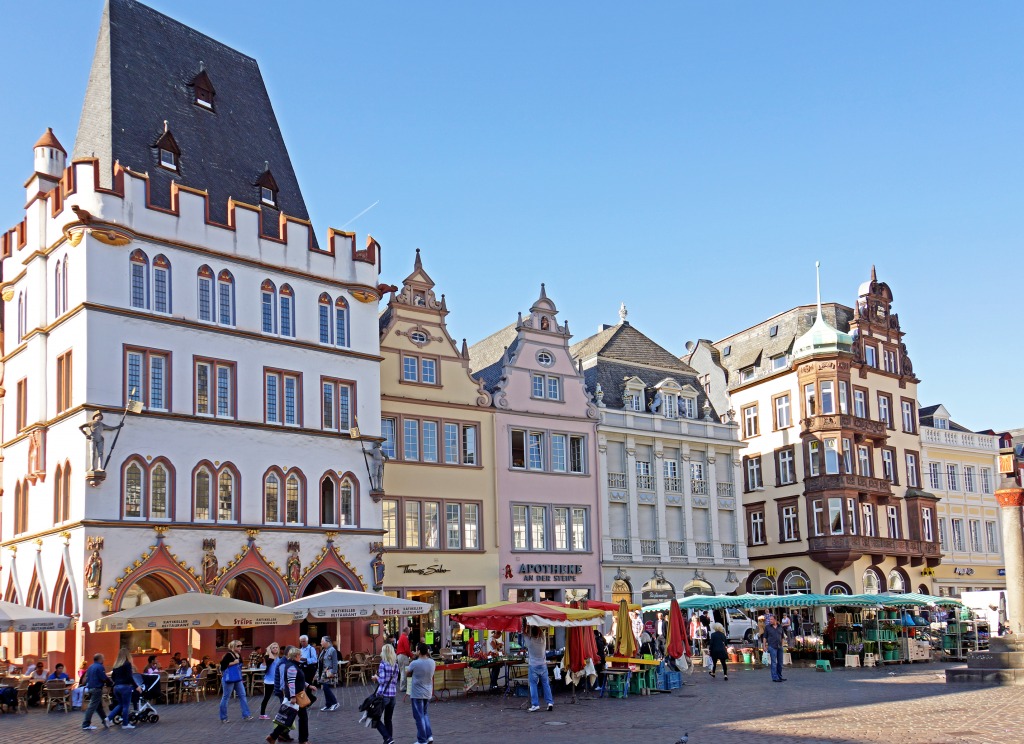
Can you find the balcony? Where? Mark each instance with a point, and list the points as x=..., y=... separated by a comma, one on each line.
x=673, y=485
x=617, y=480
x=726, y=490
x=620, y=548
x=645, y=482
x=698, y=487
x=866, y=428
x=848, y=482
x=648, y=547
x=730, y=550
x=677, y=551
x=705, y=553
x=837, y=552
x=959, y=439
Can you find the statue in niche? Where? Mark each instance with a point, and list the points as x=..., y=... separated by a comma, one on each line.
x=294, y=565
x=545, y=324
x=211, y=567
x=93, y=431
x=94, y=567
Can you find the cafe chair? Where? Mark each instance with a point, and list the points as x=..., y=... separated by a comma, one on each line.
x=57, y=694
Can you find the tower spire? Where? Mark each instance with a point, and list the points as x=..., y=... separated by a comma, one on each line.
x=417, y=265
x=817, y=281
x=874, y=277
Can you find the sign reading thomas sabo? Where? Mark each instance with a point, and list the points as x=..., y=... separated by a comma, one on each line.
x=549, y=571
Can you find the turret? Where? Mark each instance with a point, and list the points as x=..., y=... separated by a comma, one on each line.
x=49, y=158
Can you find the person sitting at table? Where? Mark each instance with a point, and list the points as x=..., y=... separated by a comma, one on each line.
x=78, y=694
x=37, y=676
x=151, y=666
x=257, y=659
x=203, y=664
x=175, y=663
x=59, y=673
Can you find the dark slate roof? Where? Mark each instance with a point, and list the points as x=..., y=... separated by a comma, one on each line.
x=487, y=356
x=926, y=417
x=613, y=355
x=755, y=345
x=384, y=320
x=627, y=344
x=140, y=76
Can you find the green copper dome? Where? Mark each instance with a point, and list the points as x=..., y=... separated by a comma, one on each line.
x=822, y=338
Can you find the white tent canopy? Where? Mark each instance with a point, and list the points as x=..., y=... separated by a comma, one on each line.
x=21, y=619
x=192, y=610
x=347, y=604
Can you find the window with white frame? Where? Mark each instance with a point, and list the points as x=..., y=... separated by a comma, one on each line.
x=860, y=404
x=388, y=431
x=911, y=460
x=272, y=499
x=991, y=536
x=810, y=400
x=226, y=496
x=281, y=396
x=885, y=410
x=974, y=530
x=969, y=478
x=346, y=503
x=909, y=424
x=146, y=490
x=844, y=401
x=545, y=358
x=790, y=524
x=943, y=538
x=570, y=528
x=926, y=524
x=215, y=388
x=935, y=476
x=336, y=404
x=753, y=472
x=863, y=460
x=828, y=399
x=750, y=425
x=831, y=455
x=147, y=378
x=787, y=472
x=133, y=484
x=287, y=314
x=529, y=527
x=746, y=374
x=546, y=386
x=888, y=466
x=782, y=414
x=201, y=496
x=757, y=536
x=669, y=406
x=871, y=355
x=835, y=516
x=778, y=362
x=814, y=458
x=422, y=369
x=205, y=293
x=957, y=526
x=893, y=518
x=214, y=494
x=818, y=517
x=268, y=307
x=138, y=265
x=341, y=334
x=889, y=361
x=847, y=456
x=941, y=422
x=688, y=406
x=868, y=519
x=226, y=298
x=851, y=515
x=323, y=307
x=986, y=480
x=952, y=477
x=161, y=285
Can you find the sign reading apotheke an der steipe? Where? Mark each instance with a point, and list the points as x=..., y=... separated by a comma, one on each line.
x=548, y=572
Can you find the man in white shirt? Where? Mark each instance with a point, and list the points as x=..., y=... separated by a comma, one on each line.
x=309, y=658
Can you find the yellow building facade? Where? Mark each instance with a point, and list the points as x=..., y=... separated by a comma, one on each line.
x=960, y=467
x=437, y=422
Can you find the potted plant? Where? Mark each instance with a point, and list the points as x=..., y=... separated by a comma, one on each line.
x=890, y=651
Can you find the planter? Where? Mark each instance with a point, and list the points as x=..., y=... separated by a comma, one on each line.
x=746, y=658
x=892, y=655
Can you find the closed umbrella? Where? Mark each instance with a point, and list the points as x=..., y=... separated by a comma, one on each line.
x=678, y=644
x=625, y=642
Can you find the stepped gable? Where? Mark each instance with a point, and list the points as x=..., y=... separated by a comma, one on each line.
x=149, y=69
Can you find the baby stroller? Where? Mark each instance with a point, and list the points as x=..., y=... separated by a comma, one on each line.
x=146, y=712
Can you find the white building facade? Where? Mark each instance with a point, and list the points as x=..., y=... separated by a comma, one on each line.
x=251, y=348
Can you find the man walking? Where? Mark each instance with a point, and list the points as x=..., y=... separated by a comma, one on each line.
x=404, y=650
x=95, y=680
x=421, y=671
x=328, y=672
x=772, y=642
x=307, y=657
x=537, y=647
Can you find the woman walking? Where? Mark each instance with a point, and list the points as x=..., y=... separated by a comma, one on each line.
x=231, y=681
x=294, y=683
x=716, y=647
x=273, y=659
x=123, y=678
x=387, y=681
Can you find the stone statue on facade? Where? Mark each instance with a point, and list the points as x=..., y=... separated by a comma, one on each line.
x=377, y=461
x=94, y=567
x=93, y=432
x=211, y=567
x=294, y=566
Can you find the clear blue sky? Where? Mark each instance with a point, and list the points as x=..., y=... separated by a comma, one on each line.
x=690, y=159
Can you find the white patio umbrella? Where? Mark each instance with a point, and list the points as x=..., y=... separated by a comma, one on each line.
x=21, y=619
x=192, y=610
x=347, y=604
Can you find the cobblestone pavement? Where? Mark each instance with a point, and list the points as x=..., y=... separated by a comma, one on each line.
x=901, y=705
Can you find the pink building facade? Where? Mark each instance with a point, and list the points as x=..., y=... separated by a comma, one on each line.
x=549, y=534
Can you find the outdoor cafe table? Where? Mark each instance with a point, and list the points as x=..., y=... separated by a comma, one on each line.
x=650, y=666
x=249, y=676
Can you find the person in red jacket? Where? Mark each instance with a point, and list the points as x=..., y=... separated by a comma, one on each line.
x=404, y=651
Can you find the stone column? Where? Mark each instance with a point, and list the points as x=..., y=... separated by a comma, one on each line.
x=691, y=546
x=634, y=517
x=712, y=481
x=658, y=466
x=1010, y=501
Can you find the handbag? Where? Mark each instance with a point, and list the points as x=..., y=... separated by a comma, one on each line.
x=303, y=700
x=233, y=673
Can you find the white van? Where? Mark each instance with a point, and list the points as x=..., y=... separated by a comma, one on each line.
x=742, y=628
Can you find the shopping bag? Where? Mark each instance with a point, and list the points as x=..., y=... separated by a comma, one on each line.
x=286, y=714
x=766, y=658
x=708, y=663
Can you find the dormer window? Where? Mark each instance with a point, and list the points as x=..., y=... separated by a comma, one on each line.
x=727, y=350
x=202, y=89
x=778, y=362
x=267, y=186
x=941, y=423
x=774, y=331
x=168, y=152
x=746, y=374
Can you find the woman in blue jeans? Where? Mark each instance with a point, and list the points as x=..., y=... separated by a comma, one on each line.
x=231, y=680
x=123, y=678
